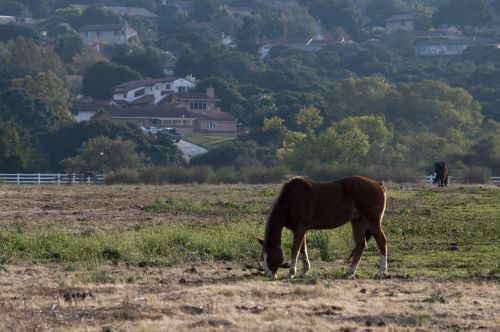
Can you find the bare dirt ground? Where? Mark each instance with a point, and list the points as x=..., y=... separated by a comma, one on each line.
x=207, y=296
x=201, y=297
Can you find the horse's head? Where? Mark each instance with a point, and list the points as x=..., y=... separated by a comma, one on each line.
x=272, y=258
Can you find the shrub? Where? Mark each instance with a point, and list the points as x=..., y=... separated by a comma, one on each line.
x=125, y=176
x=202, y=174
x=477, y=174
x=227, y=175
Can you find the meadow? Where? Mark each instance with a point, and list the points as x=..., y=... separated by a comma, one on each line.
x=185, y=257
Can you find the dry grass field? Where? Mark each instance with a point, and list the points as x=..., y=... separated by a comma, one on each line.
x=183, y=258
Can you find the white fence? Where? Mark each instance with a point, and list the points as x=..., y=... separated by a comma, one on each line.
x=39, y=178
x=430, y=179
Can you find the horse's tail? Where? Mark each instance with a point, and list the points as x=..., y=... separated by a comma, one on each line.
x=368, y=235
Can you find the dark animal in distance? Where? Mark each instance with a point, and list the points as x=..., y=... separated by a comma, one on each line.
x=441, y=171
x=305, y=204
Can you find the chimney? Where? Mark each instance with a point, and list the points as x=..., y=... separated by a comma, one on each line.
x=210, y=92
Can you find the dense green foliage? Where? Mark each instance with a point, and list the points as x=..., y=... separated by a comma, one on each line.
x=426, y=108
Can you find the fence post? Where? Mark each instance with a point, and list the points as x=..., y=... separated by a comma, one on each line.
x=58, y=178
x=38, y=178
x=18, y=178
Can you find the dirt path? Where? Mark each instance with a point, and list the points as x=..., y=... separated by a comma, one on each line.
x=225, y=296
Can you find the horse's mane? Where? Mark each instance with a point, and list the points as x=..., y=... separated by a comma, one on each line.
x=278, y=206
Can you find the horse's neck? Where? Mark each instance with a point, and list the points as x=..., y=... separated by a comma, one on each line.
x=273, y=232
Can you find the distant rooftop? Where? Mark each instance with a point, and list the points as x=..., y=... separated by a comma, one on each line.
x=399, y=18
x=126, y=11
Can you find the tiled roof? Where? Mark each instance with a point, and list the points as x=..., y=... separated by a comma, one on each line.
x=127, y=11
x=398, y=18
x=195, y=96
x=102, y=27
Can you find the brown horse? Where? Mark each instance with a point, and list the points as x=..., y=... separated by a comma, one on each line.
x=305, y=204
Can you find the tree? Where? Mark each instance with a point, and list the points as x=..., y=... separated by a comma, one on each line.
x=101, y=79
x=149, y=61
x=12, y=157
x=202, y=10
x=48, y=88
x=336, y=13
x=433, y=106
x=13, y=8
x=64, y=142
x=24, y=56
x=85, y=59
x=102, y=154
x=463, y=13
x=13, y=31
x=68, y=43
x=96, y=15
x=247, y=37
x=19, y=107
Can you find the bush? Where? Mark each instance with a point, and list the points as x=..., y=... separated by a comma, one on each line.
x=202, y=174
x=154, y=175
x=125, y=176
x=477, y=174
x=400, y=175
x=227, y=175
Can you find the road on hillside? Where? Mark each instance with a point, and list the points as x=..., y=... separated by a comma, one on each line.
x=189, y=150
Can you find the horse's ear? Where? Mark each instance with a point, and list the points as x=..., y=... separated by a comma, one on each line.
x=260, y=241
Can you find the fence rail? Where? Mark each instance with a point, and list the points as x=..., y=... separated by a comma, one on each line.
x=430, y=179
x=39, y=178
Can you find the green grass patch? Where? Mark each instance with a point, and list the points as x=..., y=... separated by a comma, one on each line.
x=446, y=233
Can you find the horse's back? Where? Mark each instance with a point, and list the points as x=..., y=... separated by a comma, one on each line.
x=368, y=196
x=332, y=204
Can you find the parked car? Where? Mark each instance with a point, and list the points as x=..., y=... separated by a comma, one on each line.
x=150, y=130
x=170, y=132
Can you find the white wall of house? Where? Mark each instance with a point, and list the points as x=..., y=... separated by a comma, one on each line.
x=180, y=84
x=83, y=115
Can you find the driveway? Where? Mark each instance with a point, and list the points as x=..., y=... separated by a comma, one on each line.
x=190, y=150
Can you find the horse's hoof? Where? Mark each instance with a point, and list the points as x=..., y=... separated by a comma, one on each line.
x=349, y=275
x=291, y=274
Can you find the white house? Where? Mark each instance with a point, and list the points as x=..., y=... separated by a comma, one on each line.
x=152, y=90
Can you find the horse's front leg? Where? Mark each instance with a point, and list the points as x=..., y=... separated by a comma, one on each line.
x=305, y=258
x=298, y=238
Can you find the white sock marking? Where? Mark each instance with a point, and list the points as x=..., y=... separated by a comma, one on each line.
x=383, y=264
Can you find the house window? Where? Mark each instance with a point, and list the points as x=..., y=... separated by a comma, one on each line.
x=88, y=34
x=176, y=122
x=124, y=95
x=98, y=33
x=211, y=125
x=139, y=92
x=167, y=86
x=186, y=122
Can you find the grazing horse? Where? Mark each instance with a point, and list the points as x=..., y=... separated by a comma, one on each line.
x=441, y=171
x=305, y=204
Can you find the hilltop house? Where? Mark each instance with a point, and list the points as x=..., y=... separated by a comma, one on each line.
x=166, y=102
x=399, y=22
x=154, y=90
x=107, y=33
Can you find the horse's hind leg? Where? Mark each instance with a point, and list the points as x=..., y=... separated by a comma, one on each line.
x=305, y=258
x=376, y=229
x=298, y=239
x=358, y=233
